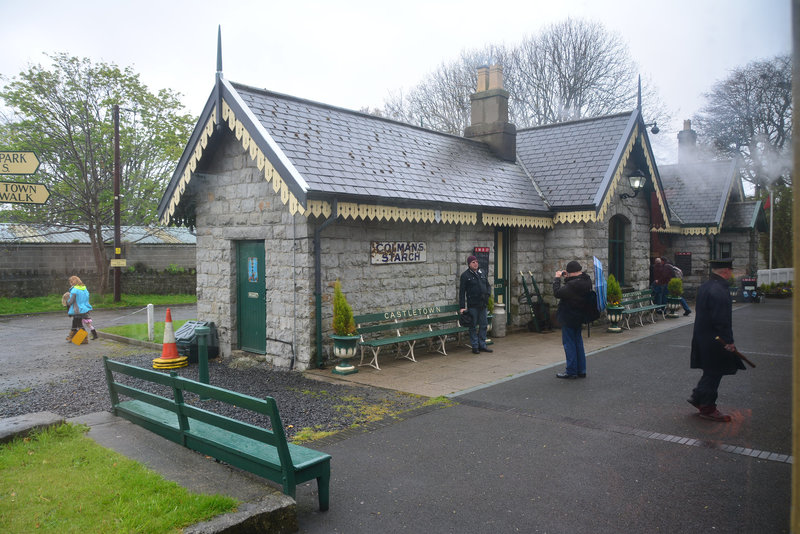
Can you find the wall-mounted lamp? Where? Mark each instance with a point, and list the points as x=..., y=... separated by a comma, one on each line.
x=655, y=129
x=636, y=179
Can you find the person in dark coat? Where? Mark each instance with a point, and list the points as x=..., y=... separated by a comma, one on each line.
x=661, y=277
x=570, y=314
x=714, y=319
x=473, y=295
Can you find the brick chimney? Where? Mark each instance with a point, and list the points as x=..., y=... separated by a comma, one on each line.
x=687, y=143
x=489, y=116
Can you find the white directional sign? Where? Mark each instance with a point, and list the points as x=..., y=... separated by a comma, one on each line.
x=18, y=162
x=17, y=193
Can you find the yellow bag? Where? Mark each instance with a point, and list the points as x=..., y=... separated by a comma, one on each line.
x=80, y=337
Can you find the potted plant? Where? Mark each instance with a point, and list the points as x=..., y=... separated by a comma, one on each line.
x=674, y=295
x=345, y=337
x=732, y=287
x=613, y=299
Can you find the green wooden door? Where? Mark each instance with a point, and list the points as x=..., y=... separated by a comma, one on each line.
x=252, y=296
x=501, y=268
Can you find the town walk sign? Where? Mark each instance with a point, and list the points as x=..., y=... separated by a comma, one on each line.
x=20, y=163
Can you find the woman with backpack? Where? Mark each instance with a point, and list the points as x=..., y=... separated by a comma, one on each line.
x=571, y=306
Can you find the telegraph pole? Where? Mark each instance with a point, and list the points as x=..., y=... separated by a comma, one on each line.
x=117, y=240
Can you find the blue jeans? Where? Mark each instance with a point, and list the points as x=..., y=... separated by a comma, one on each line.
x=573, y=348
x=477, y=332
x=685, y=306
x=659, y=294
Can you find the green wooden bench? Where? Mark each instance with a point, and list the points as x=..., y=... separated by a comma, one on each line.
x=251, y=448
x=639, y=304
x=402, y=328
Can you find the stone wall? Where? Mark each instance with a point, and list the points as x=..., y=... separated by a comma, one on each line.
x=29, y=284
x=235, y=202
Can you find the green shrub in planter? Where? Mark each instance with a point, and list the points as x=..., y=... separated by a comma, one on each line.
x=343, y=322
x=613, y=291
x=675, y=287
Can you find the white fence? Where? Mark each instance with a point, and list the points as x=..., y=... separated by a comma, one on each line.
x=767, y=276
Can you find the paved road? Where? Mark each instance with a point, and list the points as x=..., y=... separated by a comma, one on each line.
x=621, y=451
x=33, y=348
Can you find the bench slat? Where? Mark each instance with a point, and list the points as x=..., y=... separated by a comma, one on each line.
x=261, y=451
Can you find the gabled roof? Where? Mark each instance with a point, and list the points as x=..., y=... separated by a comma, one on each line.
x=314, y=154
x=150, y=235
x=745, y=216
x=699, y=192
x=570, y=161
x=321, y=152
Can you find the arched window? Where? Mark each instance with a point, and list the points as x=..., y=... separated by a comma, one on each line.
x=617, y=237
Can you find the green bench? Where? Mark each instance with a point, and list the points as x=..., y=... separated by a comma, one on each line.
x=260, y=451
x=639, y=304
x=402, y=328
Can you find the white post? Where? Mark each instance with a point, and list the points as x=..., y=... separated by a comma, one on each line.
x=771, y=201
x=150, y=324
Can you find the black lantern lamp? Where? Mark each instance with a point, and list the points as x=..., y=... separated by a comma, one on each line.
x=636, y=179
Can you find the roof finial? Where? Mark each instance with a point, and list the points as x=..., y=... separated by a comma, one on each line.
x=219, y=51
x=638, y=97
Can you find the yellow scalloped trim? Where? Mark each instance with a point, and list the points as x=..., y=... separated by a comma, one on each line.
x=497, y=219
x=575, y=216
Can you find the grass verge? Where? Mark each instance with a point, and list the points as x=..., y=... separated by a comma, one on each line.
x=139, y=331
x=59, y=480
x=52, y=303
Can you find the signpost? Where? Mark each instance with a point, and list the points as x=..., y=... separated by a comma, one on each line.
x=18, y=193
x=18, y=162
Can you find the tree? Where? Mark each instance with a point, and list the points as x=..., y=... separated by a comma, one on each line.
x=64, y=114
x=572, y=70
x=749, y=115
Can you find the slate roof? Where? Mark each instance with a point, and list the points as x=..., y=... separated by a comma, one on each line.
x=697, y=192
x=37, y=233
x=747, y=215
x=341, y=152
x=572, y=161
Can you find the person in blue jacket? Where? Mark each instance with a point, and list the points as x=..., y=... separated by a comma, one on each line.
x=78, y=308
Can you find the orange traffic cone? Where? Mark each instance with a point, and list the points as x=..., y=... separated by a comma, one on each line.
x=169, y=350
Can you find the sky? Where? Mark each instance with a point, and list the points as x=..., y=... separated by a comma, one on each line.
x=354, y=53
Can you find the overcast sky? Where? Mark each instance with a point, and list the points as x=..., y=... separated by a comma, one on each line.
x=353, y=53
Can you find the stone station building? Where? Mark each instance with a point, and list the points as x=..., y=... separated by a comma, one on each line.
x=289, y=195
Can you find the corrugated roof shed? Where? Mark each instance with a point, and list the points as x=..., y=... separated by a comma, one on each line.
x=30, y=233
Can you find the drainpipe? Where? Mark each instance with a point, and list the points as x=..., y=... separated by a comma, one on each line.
x=318, y=276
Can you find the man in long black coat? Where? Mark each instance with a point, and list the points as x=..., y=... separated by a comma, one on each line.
x=714, y=319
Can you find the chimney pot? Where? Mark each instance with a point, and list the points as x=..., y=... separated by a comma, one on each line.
x=687, y=125
x=496, y=77
x=483, y=79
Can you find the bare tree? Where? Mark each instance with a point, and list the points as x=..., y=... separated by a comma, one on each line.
x=572, y=70
x=749, y=115
x=441, y=102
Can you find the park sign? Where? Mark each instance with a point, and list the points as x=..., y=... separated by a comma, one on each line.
x=17, y=193
x=18, y=162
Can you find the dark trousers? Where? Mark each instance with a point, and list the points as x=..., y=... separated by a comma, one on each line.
x=705, y=394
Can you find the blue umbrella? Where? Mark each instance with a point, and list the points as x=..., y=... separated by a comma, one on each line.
x=599, y=284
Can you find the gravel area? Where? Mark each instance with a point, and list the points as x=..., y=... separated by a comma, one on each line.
x=303, y=402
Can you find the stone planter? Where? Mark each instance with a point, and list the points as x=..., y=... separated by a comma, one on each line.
x=344, y=348
x=614, y=314
x=673, y=303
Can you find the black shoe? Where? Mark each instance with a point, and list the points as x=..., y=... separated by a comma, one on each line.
x=687, y=312
x=486, y=349
x=581, y=375
x=476, y=351
x=693, y=402
x=565, y=375
x=94, y=334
